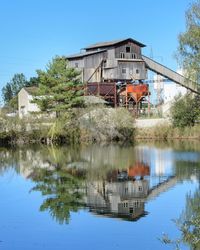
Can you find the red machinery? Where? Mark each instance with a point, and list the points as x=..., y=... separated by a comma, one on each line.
x=137, y=92
x=127, y=95
x=132, y=96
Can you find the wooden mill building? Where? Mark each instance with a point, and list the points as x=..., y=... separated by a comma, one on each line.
x=119, y=60
x=122, y=60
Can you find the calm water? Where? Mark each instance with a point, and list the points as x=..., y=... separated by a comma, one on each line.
x=96, y=197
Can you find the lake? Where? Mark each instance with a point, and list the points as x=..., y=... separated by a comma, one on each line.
x=97, y=196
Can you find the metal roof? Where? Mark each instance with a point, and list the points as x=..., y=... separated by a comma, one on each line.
x=83, y=54
x=111, y=43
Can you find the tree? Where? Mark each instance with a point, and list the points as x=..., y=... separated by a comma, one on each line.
x=33, y=81
x=189, y=43
x=12, y=88
x=185, y=111
x=59, y=87
x=7, y=93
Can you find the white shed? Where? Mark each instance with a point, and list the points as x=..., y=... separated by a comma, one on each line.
x=25, y=104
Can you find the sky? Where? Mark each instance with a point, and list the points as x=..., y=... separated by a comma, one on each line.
x=32, y=32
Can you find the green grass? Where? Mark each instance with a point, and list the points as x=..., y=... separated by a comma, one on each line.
x=166, y=132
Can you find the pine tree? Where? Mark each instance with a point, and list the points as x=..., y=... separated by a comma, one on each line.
x=60, y=88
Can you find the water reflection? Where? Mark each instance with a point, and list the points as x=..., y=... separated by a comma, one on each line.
x=122, y=194
x=189, y=221
x=109, y=181
x=63, y=190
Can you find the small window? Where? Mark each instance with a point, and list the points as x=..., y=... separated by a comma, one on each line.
x=76, y=65
x=128, y=49
x=140, y=188
x=133, y=56
x=137, y=71
x=136, y=204
x=122, y=55
x=123, y=70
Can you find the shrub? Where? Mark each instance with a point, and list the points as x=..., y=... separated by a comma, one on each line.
x=107, y=124
x=185, y=111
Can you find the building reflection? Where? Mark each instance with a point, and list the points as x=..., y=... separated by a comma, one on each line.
x=109, y=180
x=123, y=199
x=120, y=193
x=124, y=192
x=106, y=190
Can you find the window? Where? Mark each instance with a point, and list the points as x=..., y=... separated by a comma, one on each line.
x=123, y=70
x=140, y=188
x=136, y=204
x=122, y=55
x=133, y=56
x=130, y=210
x=128, y=49
x=76, y=65
x=137, y=71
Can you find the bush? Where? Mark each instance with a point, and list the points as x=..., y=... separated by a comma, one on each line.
x=185, y=111
x=107, y=124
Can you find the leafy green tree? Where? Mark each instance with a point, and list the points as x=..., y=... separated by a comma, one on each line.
x=18, y=82
x=12, y=88
x=185, y=111
x=59, y=87
x=7, y=93
x=189, y=43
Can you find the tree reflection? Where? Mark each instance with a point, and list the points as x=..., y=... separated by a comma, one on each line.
x=64, y=192
x=189, y=221
x=9, y=159
x=111, y=180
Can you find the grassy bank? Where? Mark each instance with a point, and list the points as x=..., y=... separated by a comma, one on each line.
x=87, y=126
x=80, y=126
x=168, y=132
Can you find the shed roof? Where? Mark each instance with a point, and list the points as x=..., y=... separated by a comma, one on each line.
x=112, y=43
x=83, y=54
x=31, y=90
x=94, y=100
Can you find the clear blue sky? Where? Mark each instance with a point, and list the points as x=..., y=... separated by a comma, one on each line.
x=34, y=31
